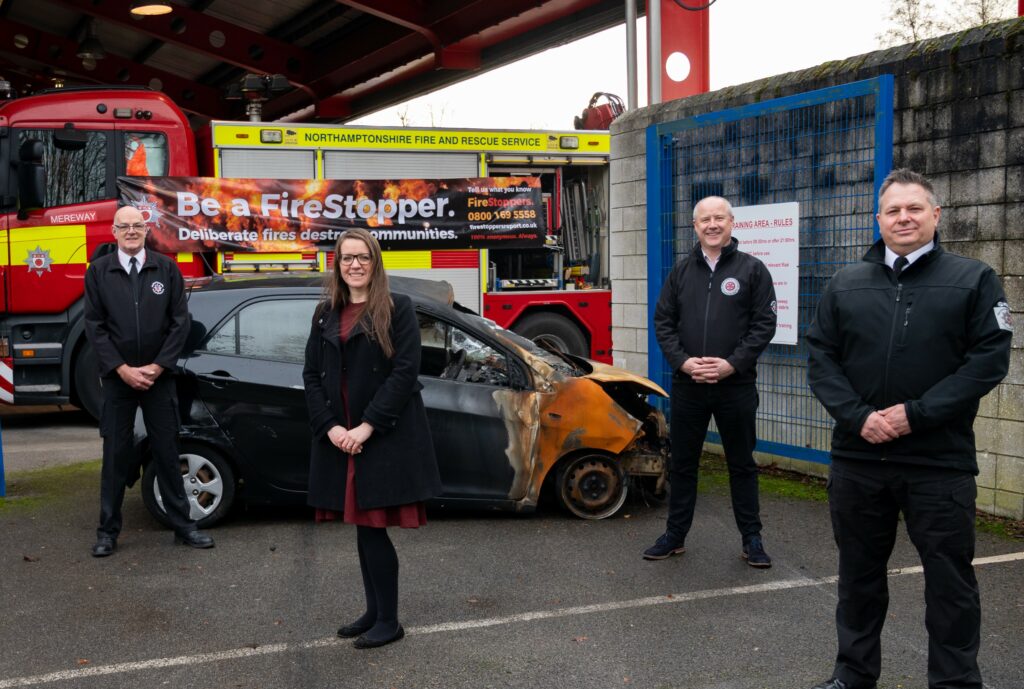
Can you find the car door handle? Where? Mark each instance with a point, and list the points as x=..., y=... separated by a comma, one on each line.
x=219, y=379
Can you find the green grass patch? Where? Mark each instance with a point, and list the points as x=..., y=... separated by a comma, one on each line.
x=30, y=489
x=1009, y=529
x=714, y=479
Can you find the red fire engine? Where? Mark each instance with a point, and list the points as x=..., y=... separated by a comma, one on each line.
x=62, y=151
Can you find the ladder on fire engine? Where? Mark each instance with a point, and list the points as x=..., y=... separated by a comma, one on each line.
x=575, y=222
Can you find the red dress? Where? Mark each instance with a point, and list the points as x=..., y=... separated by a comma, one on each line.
x=408, y=516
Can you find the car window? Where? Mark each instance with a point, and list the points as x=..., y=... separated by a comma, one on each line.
x=451, y=353
x=72, y=176
x=274, y=329
x=145, y=154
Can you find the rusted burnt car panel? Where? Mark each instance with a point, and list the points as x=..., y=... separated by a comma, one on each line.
x=582, y=427
x=509, y=421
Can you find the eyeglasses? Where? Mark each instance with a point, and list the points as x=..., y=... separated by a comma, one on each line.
x=362, y=259
x=124, y=227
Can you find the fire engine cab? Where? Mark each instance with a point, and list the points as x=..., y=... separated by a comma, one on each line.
x=62, y=151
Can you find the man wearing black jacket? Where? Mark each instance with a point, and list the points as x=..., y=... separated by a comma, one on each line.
x=715, y=316
x=903, y=347
x=136, y=318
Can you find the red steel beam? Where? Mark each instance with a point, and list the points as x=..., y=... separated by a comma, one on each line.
x=411, y=16
x=188, y=28
x=59, y=52
x=465, y=29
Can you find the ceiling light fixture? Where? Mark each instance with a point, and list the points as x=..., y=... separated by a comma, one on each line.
x=150, y=8
x=91, y=48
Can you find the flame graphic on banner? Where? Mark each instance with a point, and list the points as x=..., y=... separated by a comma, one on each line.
x=271, y=215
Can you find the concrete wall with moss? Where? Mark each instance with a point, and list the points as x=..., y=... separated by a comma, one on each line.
x=959, y=118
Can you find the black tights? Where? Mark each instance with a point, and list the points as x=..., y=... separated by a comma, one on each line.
x=378, y=563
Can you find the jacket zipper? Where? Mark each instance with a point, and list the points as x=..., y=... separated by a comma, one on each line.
x=906, y=324
x=707, y=309
x=892, y=337
x=138, y=325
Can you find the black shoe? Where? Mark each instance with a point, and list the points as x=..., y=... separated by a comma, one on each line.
x=355, y=629
x=364, y=642
x=105, y=545
x=196, y=539
x=836, y=683
x=664, y=547
x=753, y=553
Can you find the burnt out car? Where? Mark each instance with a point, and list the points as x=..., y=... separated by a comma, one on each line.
x=509, y=420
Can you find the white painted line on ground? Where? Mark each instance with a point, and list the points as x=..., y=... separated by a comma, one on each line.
x=250, y=652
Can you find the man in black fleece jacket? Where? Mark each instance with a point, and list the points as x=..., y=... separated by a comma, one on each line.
x=904, y=345
x=715, y=316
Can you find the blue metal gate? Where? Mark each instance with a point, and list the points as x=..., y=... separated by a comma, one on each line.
x=828, y=150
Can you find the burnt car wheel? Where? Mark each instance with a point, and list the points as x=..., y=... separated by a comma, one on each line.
x=592, y=486
x=209, y=486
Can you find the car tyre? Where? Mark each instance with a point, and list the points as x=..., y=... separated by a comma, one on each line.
x=592, y=486
x=209, y=485
x=553, y=331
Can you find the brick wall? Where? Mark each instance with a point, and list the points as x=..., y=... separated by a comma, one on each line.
x=959, y=118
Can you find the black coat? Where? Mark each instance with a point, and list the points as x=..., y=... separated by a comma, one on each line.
x=135, y=329
x=697, y=316
x=397, y=464
x=936, y=340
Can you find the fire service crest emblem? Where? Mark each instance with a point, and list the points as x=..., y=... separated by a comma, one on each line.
x=39, y=260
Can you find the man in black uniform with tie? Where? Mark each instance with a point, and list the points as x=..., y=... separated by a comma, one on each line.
x=136, y=318
x=904, y=345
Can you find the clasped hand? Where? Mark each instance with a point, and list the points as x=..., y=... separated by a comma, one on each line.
x=140, y=377
x=707, y=369
x=350, y=440
x=886, y=424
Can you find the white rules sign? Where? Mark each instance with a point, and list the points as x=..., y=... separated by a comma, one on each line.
x=772, y=233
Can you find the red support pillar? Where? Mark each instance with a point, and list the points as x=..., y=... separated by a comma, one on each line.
x=685, y=66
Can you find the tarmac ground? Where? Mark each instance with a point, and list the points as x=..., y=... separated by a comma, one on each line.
x=487, y=600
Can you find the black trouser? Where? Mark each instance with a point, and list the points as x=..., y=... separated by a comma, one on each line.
x=865, y=499
x=734, y=407
x=160, y=413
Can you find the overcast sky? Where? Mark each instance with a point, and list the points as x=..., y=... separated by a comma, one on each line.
x=750, y=39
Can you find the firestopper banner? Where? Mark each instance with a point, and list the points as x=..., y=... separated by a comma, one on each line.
x=210, y=214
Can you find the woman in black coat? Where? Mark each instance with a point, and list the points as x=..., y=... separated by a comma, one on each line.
x=372, y=461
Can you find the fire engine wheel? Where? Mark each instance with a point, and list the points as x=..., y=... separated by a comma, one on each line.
x=87, y=394
x=592, y=486
x=553, y=331
x=209, y=486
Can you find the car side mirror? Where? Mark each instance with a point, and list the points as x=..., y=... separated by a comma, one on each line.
x=70, y=139
x=31, y=178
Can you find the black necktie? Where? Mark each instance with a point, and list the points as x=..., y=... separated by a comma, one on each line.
x=899, y=265
x=133, y=272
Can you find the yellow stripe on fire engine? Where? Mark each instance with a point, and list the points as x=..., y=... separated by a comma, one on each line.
x=62, y=244
x=264, y=257
x=406, y=139
x=406, y=260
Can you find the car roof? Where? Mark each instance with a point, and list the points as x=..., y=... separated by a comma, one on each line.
x=211, y=299
x=417, y=288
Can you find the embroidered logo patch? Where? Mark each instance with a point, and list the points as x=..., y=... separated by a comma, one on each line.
x=730, y=286
x=775, y=306
x=158, y=287
x=39, y=260
x=1004, y=319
